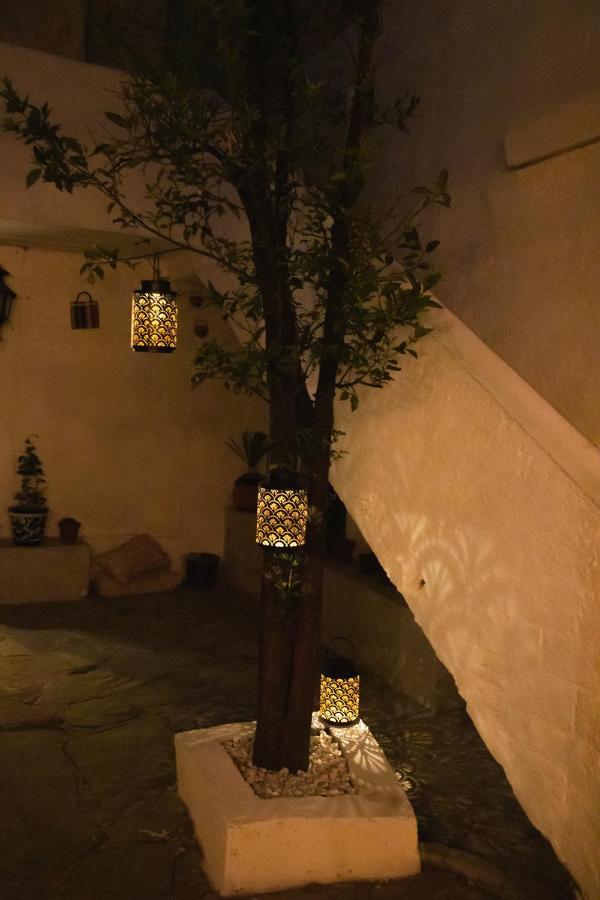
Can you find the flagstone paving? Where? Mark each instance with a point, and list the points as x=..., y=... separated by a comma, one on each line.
x=91, y=694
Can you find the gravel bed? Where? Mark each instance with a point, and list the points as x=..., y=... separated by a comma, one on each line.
x=327, y=774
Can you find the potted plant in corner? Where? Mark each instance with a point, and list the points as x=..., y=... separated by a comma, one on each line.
x=28, y=515
x=253, y=446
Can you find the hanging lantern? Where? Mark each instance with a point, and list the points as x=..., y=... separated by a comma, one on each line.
x=6, y=298
x=85, y=312
x=340, y=686
x=281, y=511
x=154, y=316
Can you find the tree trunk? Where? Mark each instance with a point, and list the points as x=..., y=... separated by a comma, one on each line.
x=304, y=676
x=291, y=593
x=291, y=621
x=276, y=651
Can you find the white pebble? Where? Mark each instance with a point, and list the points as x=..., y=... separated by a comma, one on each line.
x=327, y=774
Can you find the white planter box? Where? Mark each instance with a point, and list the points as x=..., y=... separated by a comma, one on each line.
x=48, y=573
x=253, y=845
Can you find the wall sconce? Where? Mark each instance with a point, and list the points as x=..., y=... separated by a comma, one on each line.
x=281, y=511
x=85, y=313
x=6, y=298
x=154, y=315
x=340, y=686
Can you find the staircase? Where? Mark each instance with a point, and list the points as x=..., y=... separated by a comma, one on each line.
x=483, y=505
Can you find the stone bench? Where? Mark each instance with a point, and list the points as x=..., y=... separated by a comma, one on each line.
x=51, y=572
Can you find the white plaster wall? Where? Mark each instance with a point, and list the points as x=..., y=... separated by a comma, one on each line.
x=520, y=247
x=59, y=27
x=127, y=445
x=78, y=94
x=483, y=505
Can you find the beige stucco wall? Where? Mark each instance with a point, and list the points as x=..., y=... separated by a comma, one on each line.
x=520, y=248
x=483, y=505
x=127, y=445
x=42, y=25
x=78, y=94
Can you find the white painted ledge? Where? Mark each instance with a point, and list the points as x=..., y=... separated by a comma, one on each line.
x=570, y=450
x=252, y=845
x=53, y=234
x=52, y=572
x=568, y=127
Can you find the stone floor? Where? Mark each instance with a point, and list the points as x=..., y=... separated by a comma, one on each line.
x=91, y=694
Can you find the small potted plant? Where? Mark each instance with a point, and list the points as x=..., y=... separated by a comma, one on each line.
x=252, y=448
x=28, y=515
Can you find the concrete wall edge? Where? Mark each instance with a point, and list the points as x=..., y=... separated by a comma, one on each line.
x=577, y=457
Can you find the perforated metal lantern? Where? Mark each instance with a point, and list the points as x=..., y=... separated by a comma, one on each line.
x=281, y=517
x=340, y=686
x=154, y=317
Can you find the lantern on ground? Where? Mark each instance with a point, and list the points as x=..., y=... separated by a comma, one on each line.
x=154, y=316
x=281, y=511
x=6, y=298
x=340, y=685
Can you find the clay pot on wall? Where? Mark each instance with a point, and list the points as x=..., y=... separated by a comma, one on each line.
x=69, y=529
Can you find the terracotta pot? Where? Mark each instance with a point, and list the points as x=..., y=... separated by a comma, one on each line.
x=245, y=491
x=69, y=529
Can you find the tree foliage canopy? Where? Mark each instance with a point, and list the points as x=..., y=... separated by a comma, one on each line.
x=274, y=150
x=253, y=154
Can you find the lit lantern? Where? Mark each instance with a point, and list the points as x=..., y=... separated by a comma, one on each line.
x=340, y=688
x=281, y=512
x=6, y=298
x=154, y=316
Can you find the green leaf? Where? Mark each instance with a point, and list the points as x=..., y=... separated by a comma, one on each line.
x=116, y=119
x=32, y=177
x=353, y=402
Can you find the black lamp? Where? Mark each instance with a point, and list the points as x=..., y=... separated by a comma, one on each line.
x=6, y=298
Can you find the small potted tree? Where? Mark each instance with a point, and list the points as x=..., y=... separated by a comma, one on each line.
x=252, y=448
x=28, y=515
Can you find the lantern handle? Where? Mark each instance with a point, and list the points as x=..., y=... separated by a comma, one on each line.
x=87, y=294
x=346, y=641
